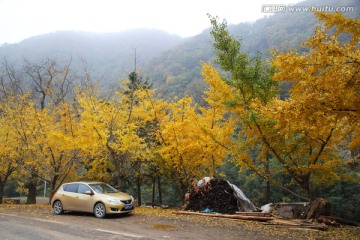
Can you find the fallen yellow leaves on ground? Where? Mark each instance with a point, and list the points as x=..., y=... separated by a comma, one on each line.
x=156, y=217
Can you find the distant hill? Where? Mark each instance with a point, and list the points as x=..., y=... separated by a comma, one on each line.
x=111, y=54
x=171, y=62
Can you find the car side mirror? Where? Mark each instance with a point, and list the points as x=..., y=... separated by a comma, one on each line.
x=89, y=193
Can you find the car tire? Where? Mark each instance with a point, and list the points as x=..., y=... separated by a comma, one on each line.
x=99, y=210
x=58, y=207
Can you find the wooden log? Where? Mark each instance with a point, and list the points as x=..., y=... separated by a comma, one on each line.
x=235, y=216
x=316, y=208
x=296, y=224
x=286, y=221
x=313, y=227
x=330, y=220
x=253, y=214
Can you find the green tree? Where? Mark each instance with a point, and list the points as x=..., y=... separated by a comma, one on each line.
x=252, y=80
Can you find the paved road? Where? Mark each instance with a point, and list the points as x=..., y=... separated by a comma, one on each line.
x=15, y=227
x=39, y=222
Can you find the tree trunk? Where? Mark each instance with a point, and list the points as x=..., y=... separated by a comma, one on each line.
x=306, y=186
x=183, y=189
x=268, y=191
x=138, y=189
x=268, y=186
x=159, y=189
x=120, y=185
x=9, y=171
x=153, y=192
x=53, y=187
x=31, y=186
x=2, y=186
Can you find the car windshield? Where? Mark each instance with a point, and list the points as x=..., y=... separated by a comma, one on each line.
x=103, y=188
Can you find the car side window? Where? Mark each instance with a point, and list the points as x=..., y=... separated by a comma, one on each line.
x=83, y=188
x=71, y=188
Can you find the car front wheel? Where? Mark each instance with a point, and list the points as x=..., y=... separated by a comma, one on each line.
x=100, y=210
x=58, y=208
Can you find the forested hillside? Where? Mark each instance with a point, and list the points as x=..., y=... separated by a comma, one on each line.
x=176, y=72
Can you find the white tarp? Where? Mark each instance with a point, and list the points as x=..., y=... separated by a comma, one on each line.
x=244, y=204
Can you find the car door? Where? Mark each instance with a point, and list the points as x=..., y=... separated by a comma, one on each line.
x=84, y=201
x=68, y=197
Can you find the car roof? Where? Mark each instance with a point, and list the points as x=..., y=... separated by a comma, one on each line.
x=87, y=182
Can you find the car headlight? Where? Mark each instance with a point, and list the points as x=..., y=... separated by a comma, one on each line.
x=114, y=201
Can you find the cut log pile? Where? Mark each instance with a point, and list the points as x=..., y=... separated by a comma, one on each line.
x=214, y=197
x=317, y=208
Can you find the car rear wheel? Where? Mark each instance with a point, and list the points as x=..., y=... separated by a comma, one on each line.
x=58, y=208
x=100, y=210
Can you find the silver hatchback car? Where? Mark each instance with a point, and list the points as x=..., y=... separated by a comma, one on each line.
x=94, y=197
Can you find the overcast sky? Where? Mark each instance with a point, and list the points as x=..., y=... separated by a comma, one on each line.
x=20, y=19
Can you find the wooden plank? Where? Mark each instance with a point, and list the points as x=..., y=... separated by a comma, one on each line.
x=314, y=227
x=253, y=214
x=330, y=220
x=296, y=223
x=235, y=216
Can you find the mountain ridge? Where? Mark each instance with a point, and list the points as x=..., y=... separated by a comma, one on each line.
x=110, y=53
x=171, y=62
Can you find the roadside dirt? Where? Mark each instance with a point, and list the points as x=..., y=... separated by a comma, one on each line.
x=163, y=224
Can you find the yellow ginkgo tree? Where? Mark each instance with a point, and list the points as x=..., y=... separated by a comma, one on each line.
x=195, y=139
x=324, y=104
x=304, y=131
x=47, y=139
x=110, y=131
x=181, y=148
x=9, y=147
x=326, y=79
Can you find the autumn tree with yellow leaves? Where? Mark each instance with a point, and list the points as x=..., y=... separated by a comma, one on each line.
x=52, y=114
x=323, y=108
x=42, y=127
x=45, y=140
x=326, y=80
x=304, y=131
x=110, y=131
x=9, y=149
x=195, y=139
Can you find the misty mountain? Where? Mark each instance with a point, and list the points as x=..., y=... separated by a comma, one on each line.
x=109, y=54
x=172, y=63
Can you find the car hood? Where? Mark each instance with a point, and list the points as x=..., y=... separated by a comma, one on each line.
x=119, y=195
